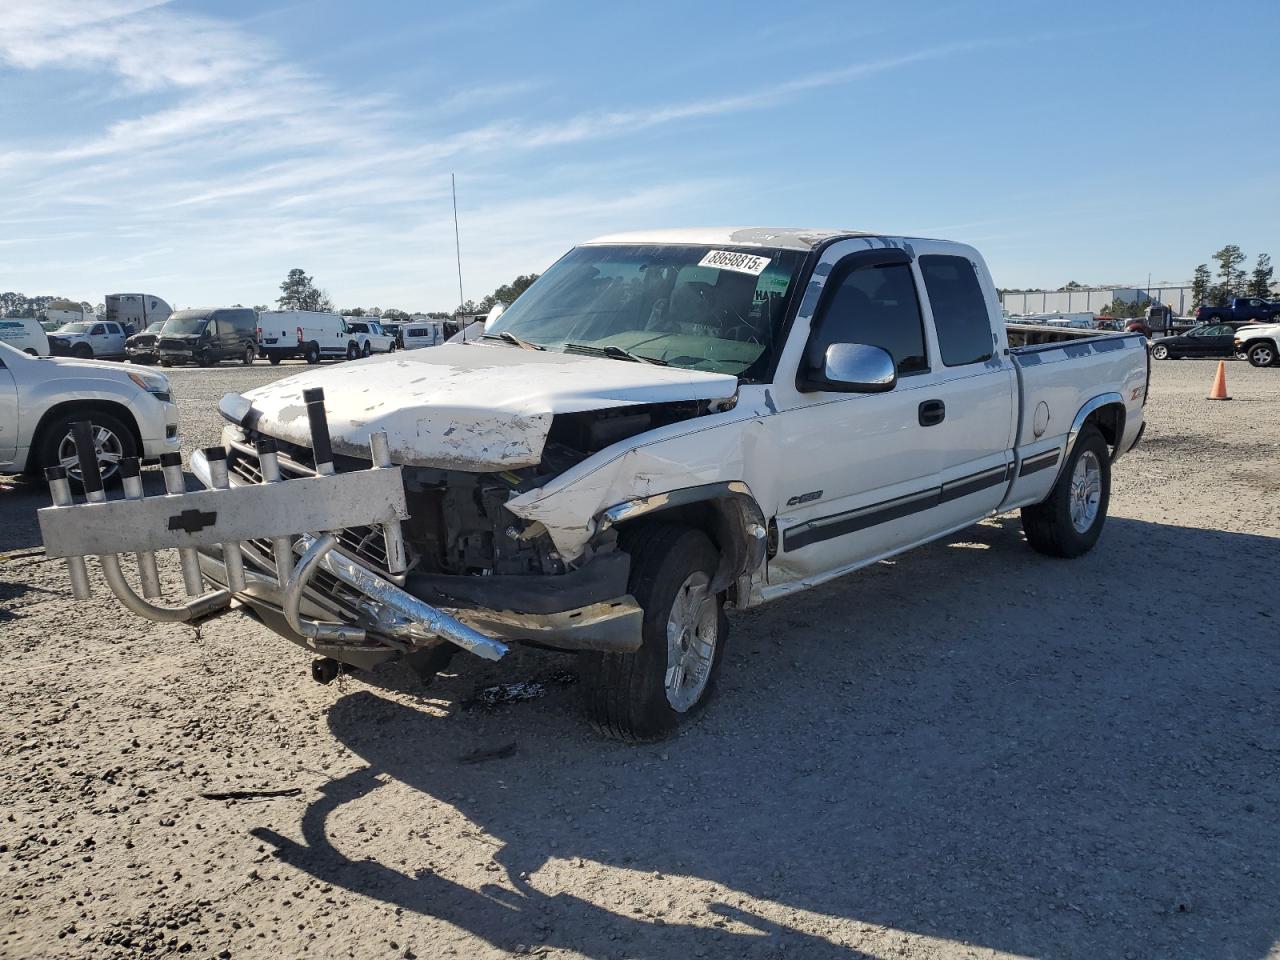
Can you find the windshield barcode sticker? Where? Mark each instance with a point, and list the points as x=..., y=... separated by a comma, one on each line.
x=738, y=262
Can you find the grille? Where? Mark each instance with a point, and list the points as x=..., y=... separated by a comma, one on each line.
x=172, y=343
x=364, y=543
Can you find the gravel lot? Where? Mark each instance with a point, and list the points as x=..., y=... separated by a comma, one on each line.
x=971, y=751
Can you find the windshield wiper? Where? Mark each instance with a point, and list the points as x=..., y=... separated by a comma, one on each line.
x=613, y=350
x=510, y=337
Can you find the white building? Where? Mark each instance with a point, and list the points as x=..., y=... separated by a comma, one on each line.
x=1096, y=299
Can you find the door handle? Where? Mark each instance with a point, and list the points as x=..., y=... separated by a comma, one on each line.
x=932, y=412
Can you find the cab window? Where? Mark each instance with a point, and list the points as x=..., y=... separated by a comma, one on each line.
x=874, y=305
x=959, y=310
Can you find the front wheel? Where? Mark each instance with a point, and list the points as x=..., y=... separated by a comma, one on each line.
x=82, y=351
x=1069, y=522
x=1160, y=352
x=112, y=441
x=645, y=695
x=204, y=358
x=367, y=349
x=1262, y=355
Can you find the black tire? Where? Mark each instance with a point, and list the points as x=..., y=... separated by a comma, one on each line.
x=392, y=347
x=1160, y=352
x=312, y=354
x=353, y=351
x=82, y=351
x=1048, y=525
x=367, y=349
x=274, y=359
x=1262, y=355
x=166, y=363
x=205, y=358
x=53, y=443
x=250, y=355
x=626, y=695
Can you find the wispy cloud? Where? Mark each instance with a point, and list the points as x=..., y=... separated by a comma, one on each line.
x=239, y=157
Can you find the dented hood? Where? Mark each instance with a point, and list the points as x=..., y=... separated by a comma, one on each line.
x=469, y=406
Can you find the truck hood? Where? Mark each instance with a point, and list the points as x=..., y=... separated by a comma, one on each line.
x=468, y=406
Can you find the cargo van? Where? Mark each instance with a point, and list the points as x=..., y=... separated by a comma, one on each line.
x=25, y=334
x=301, y=333
x=207, y=337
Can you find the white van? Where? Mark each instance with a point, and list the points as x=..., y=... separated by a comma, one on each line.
x=423, y=333
x=24, y=334
x=301, y=333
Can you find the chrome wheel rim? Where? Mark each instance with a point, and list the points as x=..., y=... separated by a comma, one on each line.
x=692, y=634
x=1263, y=357
x=1160, y=352
x=1086, y=491
x=108, y=447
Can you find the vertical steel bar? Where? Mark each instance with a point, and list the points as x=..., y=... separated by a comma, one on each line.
x=60, y=490
x=232, y=557
x=392, y=533
x=321, y=445
x=281, y=547
x=131, y=476
x=188, y=558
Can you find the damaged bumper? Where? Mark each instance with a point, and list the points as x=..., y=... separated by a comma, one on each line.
x=244, y=543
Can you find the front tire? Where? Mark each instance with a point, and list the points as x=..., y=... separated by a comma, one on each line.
x=367, y=349
x=1069, y=522
x=205, y=358
x=113, y=441
x=1160, y=352
x=82, y=351
x=645, y=695
x=1262, y=354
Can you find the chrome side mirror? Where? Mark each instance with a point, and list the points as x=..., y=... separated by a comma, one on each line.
x=495, y=312
x=854, y=368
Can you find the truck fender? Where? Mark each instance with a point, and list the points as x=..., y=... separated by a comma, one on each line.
x=1108, y=412
x=727, y=511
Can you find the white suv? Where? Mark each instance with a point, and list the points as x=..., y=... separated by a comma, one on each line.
x=132, y=412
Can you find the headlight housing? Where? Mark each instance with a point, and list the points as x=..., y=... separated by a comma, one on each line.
x=157, y=386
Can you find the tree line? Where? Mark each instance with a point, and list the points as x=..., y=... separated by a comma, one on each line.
x=298, y=291
x=1232, y=279
x=13, y=304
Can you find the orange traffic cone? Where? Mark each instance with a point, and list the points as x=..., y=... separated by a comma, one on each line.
x=1219, y=391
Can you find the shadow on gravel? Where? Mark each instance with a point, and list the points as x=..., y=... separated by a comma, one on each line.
x=971, y=743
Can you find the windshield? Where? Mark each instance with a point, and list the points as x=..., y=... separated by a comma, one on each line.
x=74, y=328
x=719, y=309
x=186, y=322
x=155, y=327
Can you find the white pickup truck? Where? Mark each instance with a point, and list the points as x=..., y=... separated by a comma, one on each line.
x=663, y=425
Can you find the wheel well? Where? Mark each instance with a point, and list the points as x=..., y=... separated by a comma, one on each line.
x=725, y=521
x=118, y=410
x=1109, y=420
x=1249, y=344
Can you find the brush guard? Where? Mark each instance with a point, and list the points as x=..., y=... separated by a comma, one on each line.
x=224, y=516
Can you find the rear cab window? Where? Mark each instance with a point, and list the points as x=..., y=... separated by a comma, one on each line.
x=959, y=309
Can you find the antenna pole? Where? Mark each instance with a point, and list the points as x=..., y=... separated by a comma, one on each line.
x=457, y=245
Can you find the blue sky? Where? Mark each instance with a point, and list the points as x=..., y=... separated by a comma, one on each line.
x=198, y=150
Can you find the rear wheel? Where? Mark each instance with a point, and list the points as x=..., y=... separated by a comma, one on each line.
x=645, y=695
x=353, y=351
x=274, y=359
x=313, y=352
x=112, y=440
x=1262, y=354
x=205, y=358
x=250, y=354
x=1069, y=522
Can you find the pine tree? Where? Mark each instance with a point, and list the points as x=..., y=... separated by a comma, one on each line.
x=1260, y=282
x=1200, y=284
x=1230, y=271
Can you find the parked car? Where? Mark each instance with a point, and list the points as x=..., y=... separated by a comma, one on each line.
x=1206, y=340
x=301, y=333
x=367, y=337
x=1260, y=343
x=132, y=412
x=87, y=341
x=1239, y=309
x=141, y=347
x=662, y=425
x=207, y=337
x=25, y=334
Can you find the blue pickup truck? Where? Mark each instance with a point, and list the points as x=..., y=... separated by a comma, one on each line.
x=1239, y=309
